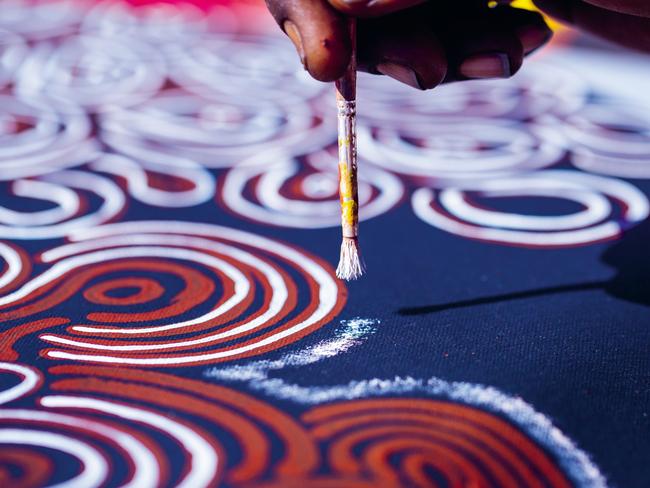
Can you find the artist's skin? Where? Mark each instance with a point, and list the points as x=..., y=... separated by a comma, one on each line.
x=424, y=43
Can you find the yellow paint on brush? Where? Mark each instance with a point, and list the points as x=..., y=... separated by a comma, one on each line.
x=345, y=186
x=529, y=5
x=346, y=191
x=348, y=211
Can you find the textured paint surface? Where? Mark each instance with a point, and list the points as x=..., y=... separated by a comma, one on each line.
x=170, y=312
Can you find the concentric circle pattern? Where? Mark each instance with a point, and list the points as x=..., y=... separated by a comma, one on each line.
x=219, y=66
x=447, y=151
x=93, y=72
x=13, y=49
x=421, y=442
x=217, y=132
x=159, y=23
x=38, y=20
x=610, y=139
x=607, y=207
x=111, y=425
x=210, y=310
x=77, y=199
x=538, y=90
x=303, y=192
x=160, y=184
x=37, y=139
x=147, y=156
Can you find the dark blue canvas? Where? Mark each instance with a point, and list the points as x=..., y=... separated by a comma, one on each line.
x=169, y=230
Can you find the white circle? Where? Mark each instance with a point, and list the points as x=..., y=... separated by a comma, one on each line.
x=592, y=224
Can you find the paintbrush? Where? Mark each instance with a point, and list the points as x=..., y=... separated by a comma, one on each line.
x=350, y=265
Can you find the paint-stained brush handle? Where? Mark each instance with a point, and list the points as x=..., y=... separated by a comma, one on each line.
x=350, y=264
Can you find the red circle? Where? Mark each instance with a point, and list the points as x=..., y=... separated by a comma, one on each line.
x=147, y=290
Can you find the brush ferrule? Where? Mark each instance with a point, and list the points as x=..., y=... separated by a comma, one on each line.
x=346, y=108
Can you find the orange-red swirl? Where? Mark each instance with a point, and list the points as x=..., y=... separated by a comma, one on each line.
x=152, y=297
x=253, y=426
x=420, y=442
x=34, y=467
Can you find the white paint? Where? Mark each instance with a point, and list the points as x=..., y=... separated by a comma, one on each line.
x=493, y=226
x=94, y=466
x=353, y=332
x=450, y=152
x=242, y=288
x=241, y=284
x=111, y=195
x=327, y=288
x=273, y=208
x=91, y=72
x=217, y=132
x=136, y=177
x=203, y=457
x=146, y=470
x=349, y=334
x=65, y=200
x=52, y=140
x=14, y=265
x=30, y=380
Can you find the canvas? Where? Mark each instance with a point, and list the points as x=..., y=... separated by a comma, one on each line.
x=169, y=229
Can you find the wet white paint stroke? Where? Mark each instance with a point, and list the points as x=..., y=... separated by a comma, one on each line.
x=351, y=333
x=574, y=462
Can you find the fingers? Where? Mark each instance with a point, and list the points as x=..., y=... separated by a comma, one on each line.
x=493, y=44
x=427, y=45
x=529, y=27
x=628, y=30
x=420, y=46
x=371, y=8
x=485, y=54
x=404, y=47
x=319, y=33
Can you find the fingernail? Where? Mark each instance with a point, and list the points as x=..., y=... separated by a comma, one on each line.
x=493, y=65
x=294, y=34
x=533, y=37
x=400, y=73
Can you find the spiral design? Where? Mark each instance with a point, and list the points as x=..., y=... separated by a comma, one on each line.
x=183, y=184
x=448, y=152
x=69, y=192
x=15, y=265
x=422, y=442
x=303, y=192
x=264, y=65
x=36, y=20
x=37, y=139
x=115, y=424
x=159, y=23
x=215, y=133
x=95, y=73
x=97, y=437
x=608, y=206
x=609, y=139
x=227, y=294
x=540, y=89
x=13, y=49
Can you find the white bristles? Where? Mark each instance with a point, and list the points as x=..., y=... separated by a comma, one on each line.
x=350, y=265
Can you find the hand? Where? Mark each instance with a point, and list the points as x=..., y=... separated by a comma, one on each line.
x=625, y=22
x=415, y=42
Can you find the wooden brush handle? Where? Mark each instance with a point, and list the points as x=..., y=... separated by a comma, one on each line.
x=347, y=141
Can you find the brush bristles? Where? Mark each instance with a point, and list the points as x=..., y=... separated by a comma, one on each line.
x=350, y=265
